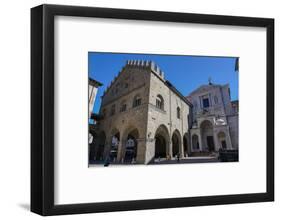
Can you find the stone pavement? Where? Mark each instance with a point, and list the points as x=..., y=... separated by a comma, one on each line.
x=164, y=161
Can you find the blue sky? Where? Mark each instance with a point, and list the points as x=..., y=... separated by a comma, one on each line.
x=186, y=73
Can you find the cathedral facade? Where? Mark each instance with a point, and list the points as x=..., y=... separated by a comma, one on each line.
x=145, y=118
x=214, y=119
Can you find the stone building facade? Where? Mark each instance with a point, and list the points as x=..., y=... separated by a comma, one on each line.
x=143, y=117
x=214, y=119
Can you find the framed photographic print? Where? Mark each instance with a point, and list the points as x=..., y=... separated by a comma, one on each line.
x=139, y=109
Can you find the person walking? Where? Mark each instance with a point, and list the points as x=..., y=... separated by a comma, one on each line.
x=178, y=157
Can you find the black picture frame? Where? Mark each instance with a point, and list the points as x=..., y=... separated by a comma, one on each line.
x=42, y=109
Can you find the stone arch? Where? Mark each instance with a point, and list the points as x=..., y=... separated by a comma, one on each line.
x=130, y=141
x=205, y=123
x=195, y=142
x=159, y=102
x=162, y=139
x=222, y=140
x=176, y=143
x=207, y=135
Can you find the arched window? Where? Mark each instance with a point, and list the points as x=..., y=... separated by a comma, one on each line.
x=137, y=101
x=160, y=102
x=206, y=102
x=123, y=106
x=112, y=112
x=178, y=112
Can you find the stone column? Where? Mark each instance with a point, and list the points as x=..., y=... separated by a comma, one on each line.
x=191, y=144
x=107, y=148
x=181, y=150
x=200, y=142
x=149, y=150
x=122, y=150
x=171, y=149
x=167, y=149
x=141, y=151
x=120, y=147
x=216, y=140
x=228, y=140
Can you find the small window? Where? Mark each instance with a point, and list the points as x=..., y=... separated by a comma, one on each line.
x=126, y=85
x=137, y=101
x=178, y=112
x=206, y=103
x=160, y=102
x=112, y=112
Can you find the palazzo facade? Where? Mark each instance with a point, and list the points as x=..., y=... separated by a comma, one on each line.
x=143, y=117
